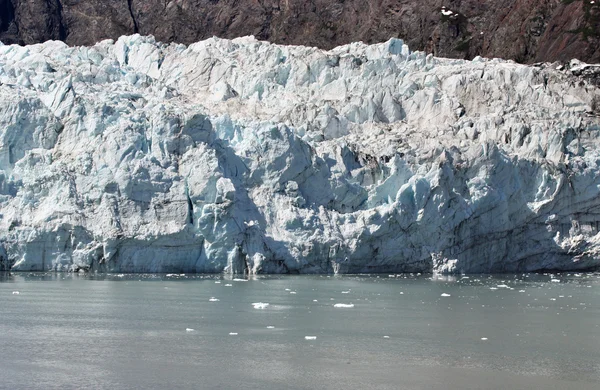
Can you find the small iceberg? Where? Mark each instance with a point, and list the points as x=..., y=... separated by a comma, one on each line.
x=16, y=293
x=270, y=327
x=310, y=337
x=445, y=295
x=344, y=305
x=260, y=305
x=213, y=299
x=189, y=329
x=233, y=333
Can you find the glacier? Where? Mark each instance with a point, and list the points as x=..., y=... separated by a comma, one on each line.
x=245, y=157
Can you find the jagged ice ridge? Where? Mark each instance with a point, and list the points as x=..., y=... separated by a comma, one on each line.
x=244, y=156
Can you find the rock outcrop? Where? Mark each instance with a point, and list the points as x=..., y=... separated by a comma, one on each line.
x=524, y=30
x=245, y=156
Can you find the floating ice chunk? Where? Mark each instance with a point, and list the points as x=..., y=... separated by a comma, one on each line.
x=555, y=280
x=217, y=282
x=120, y=275
x=502, y=286
x=270, y=327
x=213, y=299
x=287, y=289
x=345, y=292
x=16, y=293
x=386, y=337
x=260, y=305
x=445, y=295
x=493, y=288
x=344, y=305
x=521, y=290
x=314, y=300
x=553, y=299
x=233, y=333
x=228, y=285
x=484, y=338
x=189, y=329
x=240, y=280
x=310, y=337
x=292, y=292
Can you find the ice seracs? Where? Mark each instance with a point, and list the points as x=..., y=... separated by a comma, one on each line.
x=241, y=156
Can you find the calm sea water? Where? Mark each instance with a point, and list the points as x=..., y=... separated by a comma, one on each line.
x=64, y=331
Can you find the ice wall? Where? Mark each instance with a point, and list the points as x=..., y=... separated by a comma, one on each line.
x=244, y=156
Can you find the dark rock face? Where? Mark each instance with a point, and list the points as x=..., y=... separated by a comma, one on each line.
x=524, y=30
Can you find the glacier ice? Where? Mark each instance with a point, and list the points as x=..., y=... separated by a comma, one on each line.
x=242, y=156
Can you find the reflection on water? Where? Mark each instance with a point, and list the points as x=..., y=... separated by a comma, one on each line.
x=60, y=330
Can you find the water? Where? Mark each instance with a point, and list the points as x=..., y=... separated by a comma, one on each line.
x=65, y=331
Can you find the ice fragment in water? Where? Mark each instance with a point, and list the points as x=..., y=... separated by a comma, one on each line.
x=484, y=338
x=232, y=333
x=445, y=295
x=16, y=293
x=344, y=305
x=213, y=299
x=260, y=305
x=310, y=337
x=270, y=327
x=189, y=329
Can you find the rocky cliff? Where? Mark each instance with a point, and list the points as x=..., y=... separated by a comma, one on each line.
x=245, y=156
x=524, y=30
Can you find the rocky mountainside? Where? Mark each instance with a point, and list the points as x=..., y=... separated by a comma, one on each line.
x=245, y=156
x=524, y=30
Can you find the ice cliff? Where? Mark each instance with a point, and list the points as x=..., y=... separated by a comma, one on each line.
x=244, y=156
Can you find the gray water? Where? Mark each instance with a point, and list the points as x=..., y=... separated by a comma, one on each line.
x=65, y=331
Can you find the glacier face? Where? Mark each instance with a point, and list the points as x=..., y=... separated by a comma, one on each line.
x=244, y=156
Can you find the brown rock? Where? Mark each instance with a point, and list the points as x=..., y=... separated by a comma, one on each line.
x=524, y=30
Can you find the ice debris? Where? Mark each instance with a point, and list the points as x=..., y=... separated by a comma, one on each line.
x=344, y=305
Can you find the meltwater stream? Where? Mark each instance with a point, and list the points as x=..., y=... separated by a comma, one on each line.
x=70, y=331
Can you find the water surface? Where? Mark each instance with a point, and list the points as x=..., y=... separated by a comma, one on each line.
x=65, y=331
